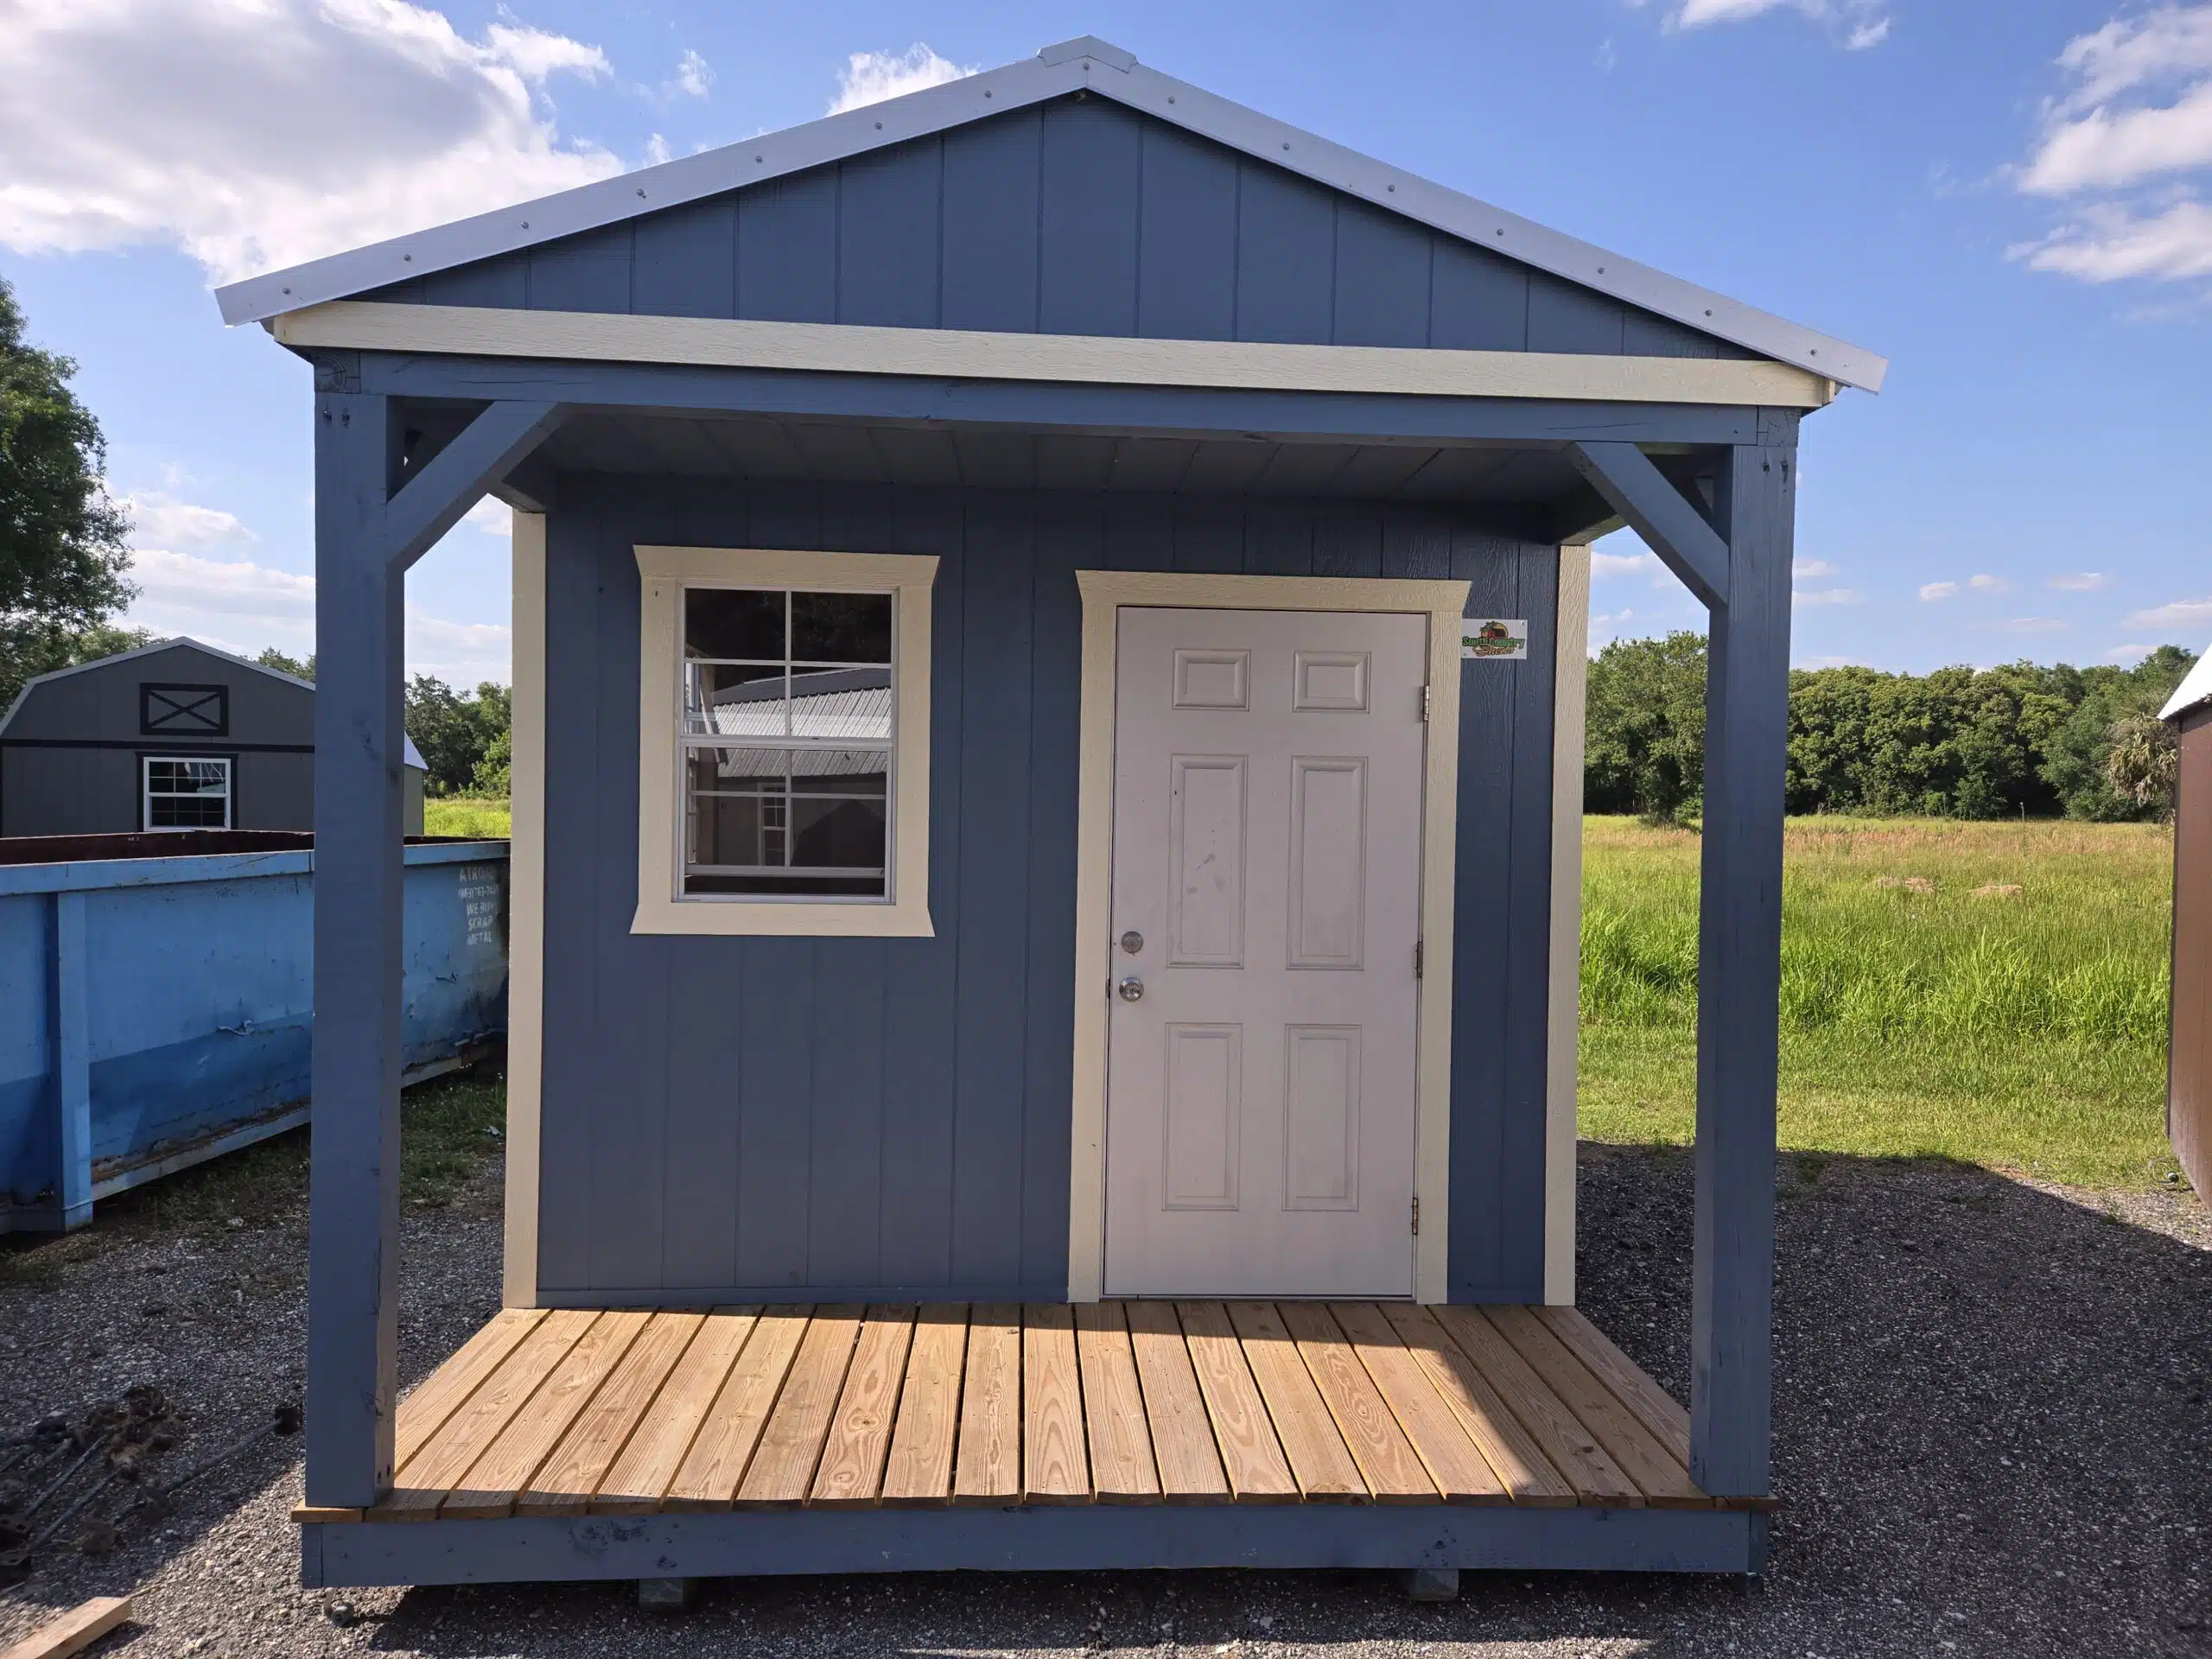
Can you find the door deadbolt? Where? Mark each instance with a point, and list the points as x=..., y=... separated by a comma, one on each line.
x=1131, y=989
x=1131, y=942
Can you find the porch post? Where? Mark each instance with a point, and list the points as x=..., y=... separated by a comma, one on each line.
x=1740, y=968
x=353, y=1217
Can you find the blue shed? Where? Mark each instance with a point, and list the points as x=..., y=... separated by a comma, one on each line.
x=1049, y=640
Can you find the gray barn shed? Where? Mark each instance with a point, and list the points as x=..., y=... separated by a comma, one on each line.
x=1049, y=626
x=174, y=735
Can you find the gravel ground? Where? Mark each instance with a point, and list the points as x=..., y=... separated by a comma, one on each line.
x=1992, y=1438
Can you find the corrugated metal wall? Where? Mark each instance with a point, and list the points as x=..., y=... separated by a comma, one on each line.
x=2189, y=1077
x=1079, y=217
x=810, y=1118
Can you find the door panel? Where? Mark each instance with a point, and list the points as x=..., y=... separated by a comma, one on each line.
x=1265, y=894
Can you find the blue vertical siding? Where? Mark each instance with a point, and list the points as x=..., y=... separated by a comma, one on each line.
x=801, y=1118
x=1077, y=217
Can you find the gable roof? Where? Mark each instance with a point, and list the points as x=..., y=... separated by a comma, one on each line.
x=413, y=755
x=2195, y=688
x=1086, y=64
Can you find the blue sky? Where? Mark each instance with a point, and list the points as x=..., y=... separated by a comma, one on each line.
x=2008, y=199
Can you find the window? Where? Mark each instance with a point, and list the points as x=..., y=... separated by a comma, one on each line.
x=184, y=793
x=784, y=743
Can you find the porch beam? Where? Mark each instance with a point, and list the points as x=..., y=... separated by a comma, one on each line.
x=1739, y=971
x=456, y=478
x=684, y=390
x=1657, y=511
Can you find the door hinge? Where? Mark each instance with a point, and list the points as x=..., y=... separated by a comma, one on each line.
x=1424, y=705
x=1416, y=1217
x=1417, y=958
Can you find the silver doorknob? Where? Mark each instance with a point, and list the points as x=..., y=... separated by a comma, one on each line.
x=1131, y=989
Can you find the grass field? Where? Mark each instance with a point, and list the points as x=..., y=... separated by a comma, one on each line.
x=1990, y=992
x=458, y=816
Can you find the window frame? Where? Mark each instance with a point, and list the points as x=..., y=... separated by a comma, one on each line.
x=665, y=574
x=149, y=759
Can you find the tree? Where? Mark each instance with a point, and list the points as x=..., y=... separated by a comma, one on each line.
x=454, y=732
x=62, y=556
x=298, y=668
x=1644, y=748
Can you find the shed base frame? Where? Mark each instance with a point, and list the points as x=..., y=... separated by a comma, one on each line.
x=745, y=1544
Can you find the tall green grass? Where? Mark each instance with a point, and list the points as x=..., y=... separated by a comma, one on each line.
x=455, y=815
x=1994, y=992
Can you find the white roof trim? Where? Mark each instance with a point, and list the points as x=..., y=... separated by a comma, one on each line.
x=1070, y=67
x=2195, y=688
x=414, y=756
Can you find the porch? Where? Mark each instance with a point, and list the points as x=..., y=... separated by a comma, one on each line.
x=748, y=1440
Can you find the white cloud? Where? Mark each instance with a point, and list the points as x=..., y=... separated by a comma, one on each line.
x=1935, y=590
x=2194, y=614
x=1859, y=23
x=1828, y=661
x=656, y=151
x=871, y=77
x=2126, y=655
x=1988, y=584
x=255, y=133
x=1826, y=596
x=2084, y=581
x=1621, y=564
x=462, y=654
x=158, y=519
x=694, y=74
x=2137, y=113
x=492, y=516
x=1804, y=569
x=2022, y=625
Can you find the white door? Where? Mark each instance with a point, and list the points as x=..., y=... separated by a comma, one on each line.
x=1267, y=901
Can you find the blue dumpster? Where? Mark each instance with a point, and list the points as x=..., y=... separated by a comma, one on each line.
x=155, y=1011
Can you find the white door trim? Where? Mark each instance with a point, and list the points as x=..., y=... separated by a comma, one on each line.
x=1104, y=592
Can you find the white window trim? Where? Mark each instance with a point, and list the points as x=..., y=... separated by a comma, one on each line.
x=663, y=572
x=146, y=764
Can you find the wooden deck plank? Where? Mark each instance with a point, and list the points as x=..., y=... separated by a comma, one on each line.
x=1325, y=1471
x=567, y=1479
x=1455, y=1464
x=851, y=1472
x=422, y=1482
x=1054, y=1469
x=791, y=1446
x=495, y=1480
x=1184, y=1454
x=988, y=1468
x=1121, y=1466
x=1569, y=1446
x=1251, y=1455
x=423, y=1413
x=1667, y=1418
x=655, y=1448
x=920, y=1471
x=1386, y=1460
x=707, y=1477
x=1511, y=1450
x=1664, y=1483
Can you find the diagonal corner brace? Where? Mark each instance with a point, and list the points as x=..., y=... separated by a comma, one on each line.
x=454, y=480
x=1657, y=511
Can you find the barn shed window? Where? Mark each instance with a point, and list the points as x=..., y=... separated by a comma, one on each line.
x=784, y=743
x=186, y=792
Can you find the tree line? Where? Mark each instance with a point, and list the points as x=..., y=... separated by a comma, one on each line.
x=2019, y=740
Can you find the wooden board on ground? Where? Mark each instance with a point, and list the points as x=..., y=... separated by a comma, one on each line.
x=1664, y=1482
x=656, y=1450
x=564, y=1483
x=1569, y=1447
x=497, y=1479
x=74, y=1632
x=1121, y=1468
x=790, y=1445
x=423, y=1413
x=423, y=1481
x=1184, y=1454
x=1509, y=1449
x=988, y=1468
x=707, y=1479
x=1667, y=1418
x=1454, y=1464
x=1324, y=1469
x=920, y=1466
x=1054, y=1467
x=1251, y=1455
x=853, y=1456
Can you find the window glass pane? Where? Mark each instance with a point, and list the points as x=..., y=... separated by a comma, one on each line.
x=841, y=627
x=734, y=622
x=187, y=794
x=734, y=699
x=849, y=703
x=806, y=822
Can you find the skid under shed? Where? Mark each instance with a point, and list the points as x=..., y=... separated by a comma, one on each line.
x=635, y=1443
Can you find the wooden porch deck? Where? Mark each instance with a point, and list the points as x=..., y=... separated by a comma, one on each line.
x=579, y=1412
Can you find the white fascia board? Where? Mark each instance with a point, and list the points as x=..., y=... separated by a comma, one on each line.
x=2195, y=688
x=1055, y=72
